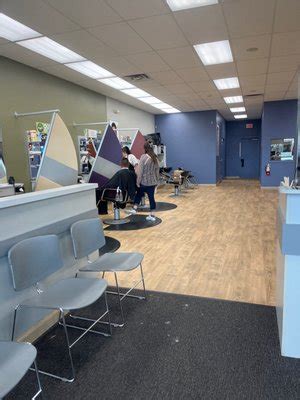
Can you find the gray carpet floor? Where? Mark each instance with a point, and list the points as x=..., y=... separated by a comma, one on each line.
x=174, y=347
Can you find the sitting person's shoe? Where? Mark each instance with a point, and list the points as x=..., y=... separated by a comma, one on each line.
x=132, y=211
x=151, y=218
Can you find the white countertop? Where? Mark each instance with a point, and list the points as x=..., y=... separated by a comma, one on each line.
x=288, y=190
x=12, y=201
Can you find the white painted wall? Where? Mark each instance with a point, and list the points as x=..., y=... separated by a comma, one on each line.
x=129, y=117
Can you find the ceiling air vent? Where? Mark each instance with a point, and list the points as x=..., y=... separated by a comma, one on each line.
x=137, y=77
x=253, y=95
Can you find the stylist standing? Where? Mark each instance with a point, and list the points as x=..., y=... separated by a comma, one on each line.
x=147, y=180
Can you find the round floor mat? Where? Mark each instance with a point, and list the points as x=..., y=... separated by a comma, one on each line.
x=160, y=206
x=110, y=246
x=136, y=222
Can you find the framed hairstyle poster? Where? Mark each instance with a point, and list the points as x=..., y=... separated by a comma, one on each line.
x=282, y=149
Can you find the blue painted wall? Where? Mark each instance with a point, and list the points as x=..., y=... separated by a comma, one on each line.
x=191, y=142
x=221, y=154
x=235, y=131
x=279, y=120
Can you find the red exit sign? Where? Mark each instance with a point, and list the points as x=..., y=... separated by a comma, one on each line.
x=249, y=126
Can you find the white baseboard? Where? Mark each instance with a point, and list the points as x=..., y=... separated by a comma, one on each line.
x=269, y=187
x=207, y=184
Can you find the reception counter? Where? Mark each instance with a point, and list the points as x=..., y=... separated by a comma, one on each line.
x=45, y=212
x=288, y=271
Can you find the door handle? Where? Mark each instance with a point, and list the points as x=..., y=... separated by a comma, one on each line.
x=242, y=162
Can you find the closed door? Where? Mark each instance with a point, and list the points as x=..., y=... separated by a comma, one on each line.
x=249, y=158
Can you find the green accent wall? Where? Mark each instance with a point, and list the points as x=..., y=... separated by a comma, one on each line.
x=25, y=89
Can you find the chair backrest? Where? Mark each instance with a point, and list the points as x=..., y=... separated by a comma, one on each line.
x=33, y=259
x=87, y=236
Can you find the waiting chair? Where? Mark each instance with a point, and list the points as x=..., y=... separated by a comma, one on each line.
x=119, y=200
x=87, y=236
x=15, y=361
x=29, y=267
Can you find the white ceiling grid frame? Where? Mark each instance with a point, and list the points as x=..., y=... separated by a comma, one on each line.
x=284, y=45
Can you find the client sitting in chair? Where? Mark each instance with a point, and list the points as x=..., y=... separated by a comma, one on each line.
x=123, y=179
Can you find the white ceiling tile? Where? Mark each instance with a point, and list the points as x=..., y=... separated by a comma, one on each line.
x=218, y=71
x=193, y=74
x=64, y=72
x=84, y=43
x=253, y=80
x=118, y=65
x=285, y=43
x=240, y=46
x=287, y=17
x=253, y=101
x=231, y=92
x=291, y=94
x=246, y=17
x=160, y=91
x=284, y=63
x=280, y=77
x=131, y=9
x=276, y=95
x=216, y=103
x=204, y=86
x=277, y=87
x=166, y=77
x=121, y=37
x=180, y=57
x=146, y=84
x=188, y=97
x=253, y=89
x=149, y=62
x=295, y=84
x=199, y=104
x=23, y=55
x=203, y=24
x=38, y=16
x=213, y=93
x=86, y=14
x=250, y=67
x=178, y=88
x=160, y=32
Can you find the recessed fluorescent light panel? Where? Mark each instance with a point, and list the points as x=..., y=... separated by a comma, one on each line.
x=161, y=105
x=50, y=49
x=227, y=83
x=238, y=109
x=214, y=52
x=177, y=5
x=240, y=116
x=117, y=83
x=13, y=30
x=151, y=100
x=171, y=110
x=90, y=69
x=233, y=99
x=136, y=92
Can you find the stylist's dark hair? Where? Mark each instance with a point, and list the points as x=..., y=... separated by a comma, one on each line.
x=126, y=150
x=149, y=150
x=113, y=125
x=124, y=163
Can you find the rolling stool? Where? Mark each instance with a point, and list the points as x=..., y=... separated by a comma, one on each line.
x=119, y=200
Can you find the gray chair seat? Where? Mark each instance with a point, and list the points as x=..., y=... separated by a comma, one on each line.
x=115, y=262
x=69, y=294
x=15, y=360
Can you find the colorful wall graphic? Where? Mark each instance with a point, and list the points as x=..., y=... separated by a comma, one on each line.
x=59, y=165
x=137, y=146
x=107, y=161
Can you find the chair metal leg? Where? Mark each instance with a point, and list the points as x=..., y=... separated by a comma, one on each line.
x=14, y=322
x=61, y=316
x=38, y=382
x=120, y=300
x=143, y=281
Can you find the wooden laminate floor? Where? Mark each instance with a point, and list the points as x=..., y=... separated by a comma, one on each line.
x=219, y=242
